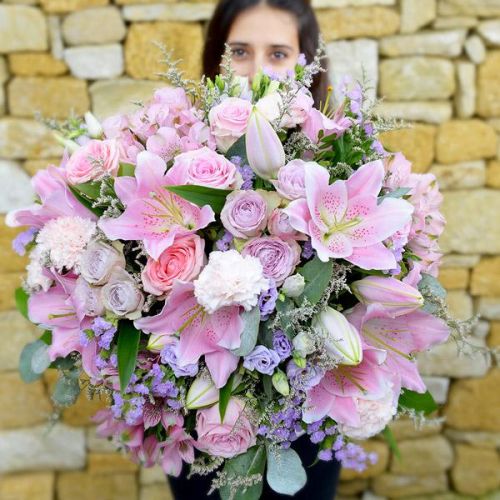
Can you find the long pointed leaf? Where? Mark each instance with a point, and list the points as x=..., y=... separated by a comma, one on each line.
x=128, y=347
x=225, y=396
x=202, y=195
x=21, y=298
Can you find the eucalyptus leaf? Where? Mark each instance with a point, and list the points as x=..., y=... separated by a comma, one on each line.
x=67, y=389
x=202, y=195
x=29, y=370
x=430, y=285
x=397, y=193
x=128, y=347
x=421, y=403
x=317, y=275
x=248, y=464
x=251, y=322
x=284, y=307
x=285, y=473
x=21, y=298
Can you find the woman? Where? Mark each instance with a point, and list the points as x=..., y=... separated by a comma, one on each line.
x=268, y=34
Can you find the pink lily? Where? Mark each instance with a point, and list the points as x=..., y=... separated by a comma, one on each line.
x=152, y=213
x=200, y=333
x=400, y=337
x=344, y=219
x=177, y=448
x=335, y=394
x=56, y=201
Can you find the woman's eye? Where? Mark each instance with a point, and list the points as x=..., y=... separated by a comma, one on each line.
x=238, y=53
x=279, y=55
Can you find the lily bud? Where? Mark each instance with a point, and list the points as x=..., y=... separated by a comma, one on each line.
x=280, y=382
x=395, y=296
x=93, y=126
x=303, y=343
x=70, y=145
x=202, y=393
x=294, y=286
x=157, y=342
x=342, y=340
x=264, y=149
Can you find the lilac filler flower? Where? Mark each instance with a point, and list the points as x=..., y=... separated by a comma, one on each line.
x=224, y=243
x=104, y=332
x=267, y=302
x=22, y=240
x=262, y=359
x=282, y=344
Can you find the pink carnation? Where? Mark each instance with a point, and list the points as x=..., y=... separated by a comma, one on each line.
x=227, y=438
x=93, y=161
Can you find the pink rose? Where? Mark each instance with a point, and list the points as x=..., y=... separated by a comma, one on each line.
x=278, y=258
x=290, y=183
x=225, y=439
x=183, y=261
x=229, y=120
x=166, y=143
x=244, y=214
x=204, y=167
x=279, y=225
x=93, y=161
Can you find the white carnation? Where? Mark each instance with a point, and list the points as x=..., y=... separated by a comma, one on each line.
x=374, y=416
x=36, y=278
x=228, y=279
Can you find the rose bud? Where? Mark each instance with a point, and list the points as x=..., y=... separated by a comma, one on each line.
x=342, y=340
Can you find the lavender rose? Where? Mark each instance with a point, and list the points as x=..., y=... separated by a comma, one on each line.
x=121, y=295
x=87, y=299
x=262, y=359
x=98, y=262
x=244, y=214
x=291, y=180
x=278, y=258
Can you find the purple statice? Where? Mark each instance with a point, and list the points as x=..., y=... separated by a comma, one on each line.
x=224, y=243
x=135, y=410
x=169, y=357
x=159, y=387
x=22, y=240
x=262, y=359
x=117, y=406
x=302, y=61
x=104, y=332
x=247, y=174
x=353, y=456
x=304, y=378
x=378, y=148
x=284, y=426
x=307, y=250
x=368, y=128
x=325, y=455
x=85, y=337
x=267, y=302
x=282, y=344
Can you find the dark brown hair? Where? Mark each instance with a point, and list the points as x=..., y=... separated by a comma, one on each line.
x=227, y=11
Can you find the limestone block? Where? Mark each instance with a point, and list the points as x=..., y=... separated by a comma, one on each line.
x=95, y=62
x=52, y=97
x=35, y=448
x=22, y=28
x=416, y=78
x=102, y=25
x=465, y=175
x=142, y=57
x=473, y=404
x=417, y=144
x=373, y=22
x=433, y=43
x=416, y=13
x=465, y=140
x=357, y=59
x=15, y=188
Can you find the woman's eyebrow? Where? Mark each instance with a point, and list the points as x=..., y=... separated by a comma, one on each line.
x=281, y=46
x=244, y=44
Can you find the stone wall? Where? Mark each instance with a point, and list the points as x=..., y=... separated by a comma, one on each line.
x=437, y=62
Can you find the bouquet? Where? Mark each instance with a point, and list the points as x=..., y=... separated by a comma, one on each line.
x=232, y=269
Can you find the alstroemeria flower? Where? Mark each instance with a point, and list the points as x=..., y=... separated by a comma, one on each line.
x=344, y=219
x=152, y=213
x=201, y=334
x=400, y=337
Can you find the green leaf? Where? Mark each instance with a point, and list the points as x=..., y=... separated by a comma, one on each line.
x=317, y=275
x=285, y=307
x=245, y=465
x=225, y=396
x=429, y=285
x=85, y=202
x=397, y=193
x=422, y=403
x=46, y=337
x=285, y=473
x=128, y=346
x=202, y=195
x=126, y=170
x=21, y=298
x=239, y=148
x=251, y=322
x=67, y=388
x=391, y=441
x=34, y=360
x=89, y=190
